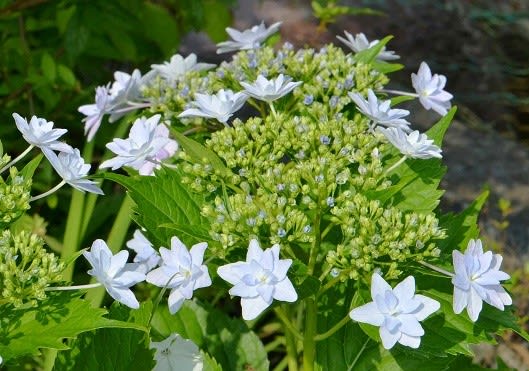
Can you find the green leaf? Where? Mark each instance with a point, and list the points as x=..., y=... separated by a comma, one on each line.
x=369, y=56
x=386, y=67
x=164, y=201
x=162, y=26
x=94, y=350
x=400, y=99
x=217, y=17
x=199, y=153
x=62, y=315
x=28, y=170
x=66, y=75
x=47, y=64
x=229, y=340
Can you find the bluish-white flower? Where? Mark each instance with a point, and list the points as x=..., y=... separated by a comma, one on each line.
x=40, y=133
x=381, y=113
x=259, y=280
x=477, y=279
x=145, y=148
x=73, y=170
x=220, y=106
x=396, y=311
x=176, y=353
x=113, y=272
x=270, y=90
x=94, y=112
x=430, y=90
x=247, y=39
x=178, y=66
x=146, y=257
x=181, y=271
x=413, y=145
x=360, y=42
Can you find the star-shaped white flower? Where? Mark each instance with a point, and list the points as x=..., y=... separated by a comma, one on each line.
x=73, y=170
x=181, y=271
x=113, y=272
x=247, y=39
x=430, y=90
x=147, y=145
x=413, y=145
x=477, y=279
x=220, y=106
x=40, y=133
x=270, y=90
x=360, y=42
x=177, y=67
x=380, y=113
x=146, y=257
x=177, y=353
x=396, y=311
x=94, y=112
x=259, y=280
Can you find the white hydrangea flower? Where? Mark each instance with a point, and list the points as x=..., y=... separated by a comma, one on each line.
x=259, y=280
x=146, y=257
x=113, y=272
x=182, y=271
x=73, y=170
x=145, y=148
x=94, y=112
x=477, y=279
x=177, y=353
x=270, y=90
x=220, y=106
x=396, y=311
x=40, y=133
x=178, y=66
x=430, y=90
x=413, y=145
x=360, y=42
x=380, y=113
x=247, y=39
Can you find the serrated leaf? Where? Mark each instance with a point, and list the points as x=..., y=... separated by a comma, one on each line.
x=62, y=315
x=229, y=340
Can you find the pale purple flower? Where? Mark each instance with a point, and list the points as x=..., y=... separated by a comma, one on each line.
x=181, y=271
x=145, y=148
x=146, y=257
x=381, y=113
x=247, y=39
x=413, y=145
x=94, y=112
x=40, y=133
x=477, y=279
x=176, y=353
x=73, y=170
x=430, y=90
x=396, y=311
x=178, y=66
x=259, y=280
x=270, y=90
x=113, y=272
x=220, y=106
x=360, y=42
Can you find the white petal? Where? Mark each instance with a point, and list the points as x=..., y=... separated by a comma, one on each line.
x=428, y=307
x=410, y=325
x=252, y=307
x=410, y=341
x=175, y=301
x=124, y=296
x=379, y=286
x=460, y=299
x=368, y=313
x=389, y=339
x=475, y=304
x=284, y=291
x=254, y=251
x=405, y=290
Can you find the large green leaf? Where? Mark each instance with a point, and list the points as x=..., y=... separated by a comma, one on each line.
x=93, y=350
x=62, y=315
x=163, y=203
x=229, y=340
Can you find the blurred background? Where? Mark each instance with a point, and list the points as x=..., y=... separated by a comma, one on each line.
x=53, y=53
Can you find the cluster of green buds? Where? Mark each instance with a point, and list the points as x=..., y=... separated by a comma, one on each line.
x=26, y=268
x=14, y=197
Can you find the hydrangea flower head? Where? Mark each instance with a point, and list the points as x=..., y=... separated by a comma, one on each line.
x=381, y=113
x=113, y=272
x=477, y=279
x=220, y=106
x=430, y=90
x=413, y=145
x=259, y=280
x=247, y=39
x=147, y=145
x=396, y=311
x=177, y=353
x=146, y=257
x=360, y=42
x=182, y=271
x=40, y=133
x=178, y=66
x=270, y=90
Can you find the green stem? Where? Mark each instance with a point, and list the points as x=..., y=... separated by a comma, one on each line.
x=395, y=165
x=71, y=238
x=333, y=329
x=292, y=352
x=49, y=192
x=282, y=365
x=309, y=343
x=283, y=316
x=358, y=355
x=115, y=240
x=19, y=157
